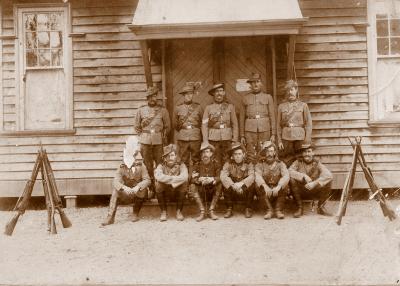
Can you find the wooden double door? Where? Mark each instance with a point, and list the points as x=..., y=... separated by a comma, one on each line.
x=207, y=60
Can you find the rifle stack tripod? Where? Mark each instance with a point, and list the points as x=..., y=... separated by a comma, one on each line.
x=53, y=200
x=348, y=185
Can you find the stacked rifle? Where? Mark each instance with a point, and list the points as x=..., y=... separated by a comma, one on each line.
x=348, y=185
x=53, y=200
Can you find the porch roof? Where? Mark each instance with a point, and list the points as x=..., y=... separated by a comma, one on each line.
x=168, y=19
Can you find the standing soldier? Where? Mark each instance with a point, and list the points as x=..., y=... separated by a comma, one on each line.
x=153, y=125
x=187, y=118
x=130, y=183
x=171, y=176
x=294, y=124
x=237, y=177
x=272, y=178
x=206, y=182
x=257, y=118
x=309, y=176
x=220, y=125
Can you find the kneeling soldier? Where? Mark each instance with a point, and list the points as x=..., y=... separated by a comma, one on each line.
x=272, y=178
x=171, y=175
x=237, y=177
x=206, y=181
x=130, y=182
x=309, y=176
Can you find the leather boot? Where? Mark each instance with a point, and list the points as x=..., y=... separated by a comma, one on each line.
x=324, y=195
x=213, y=204
x=212, y=215
x=163, y=216
x=269, y=214
x=280, y=204
x=299, y=203
x=200, y=205
x=248, y=213
x=179, y=215
x=136, y=209
x=322, y=211
x=228, y=213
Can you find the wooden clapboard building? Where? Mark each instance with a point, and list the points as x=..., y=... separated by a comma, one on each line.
x=74, y=72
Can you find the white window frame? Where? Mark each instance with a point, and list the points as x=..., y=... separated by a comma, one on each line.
x=373, y=58
x=20, y=59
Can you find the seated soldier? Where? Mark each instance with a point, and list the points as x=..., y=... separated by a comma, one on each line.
x=205, y=181
x=272, y=178
x=309, y=176
x=171, y=175
x=237, y=177
x=131, y=182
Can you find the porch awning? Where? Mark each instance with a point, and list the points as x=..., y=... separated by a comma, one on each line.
x=168, y=19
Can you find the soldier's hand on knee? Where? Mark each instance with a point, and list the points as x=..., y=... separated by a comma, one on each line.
x=306, y=178
x=280, y=146
x=310, y=186
x=243, y=140
x=272, y=139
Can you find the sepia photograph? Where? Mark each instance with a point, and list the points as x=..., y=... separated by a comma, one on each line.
x=200, y=142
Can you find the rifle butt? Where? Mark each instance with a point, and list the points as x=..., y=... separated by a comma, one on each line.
x=9, y=229
x=64, y=219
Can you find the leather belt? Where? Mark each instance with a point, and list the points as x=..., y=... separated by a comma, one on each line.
x=257, y=116
x=293, y=125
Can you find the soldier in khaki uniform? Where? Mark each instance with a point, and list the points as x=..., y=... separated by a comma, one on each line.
x=205, y=181
x=187, y=121
x=130, y=183
x=237, y=177
x=308, y=176
x=220, y=125
x=257, y=118
x=171, y=176
x=152, y=123
x=272, y=178
x=294, y=124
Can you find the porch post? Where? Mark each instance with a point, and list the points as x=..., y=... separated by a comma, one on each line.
x=218, y=60
x=146, y=63
x=290, y=62
x=273, y=56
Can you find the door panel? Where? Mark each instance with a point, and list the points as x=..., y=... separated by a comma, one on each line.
x=192, y=61
x=243, y=56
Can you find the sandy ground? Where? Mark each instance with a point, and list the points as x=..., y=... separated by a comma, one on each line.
x=309, y=250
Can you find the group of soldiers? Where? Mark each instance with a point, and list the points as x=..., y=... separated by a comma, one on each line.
x=272, y=160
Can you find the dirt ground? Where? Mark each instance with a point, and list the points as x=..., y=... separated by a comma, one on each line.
x=309, y=250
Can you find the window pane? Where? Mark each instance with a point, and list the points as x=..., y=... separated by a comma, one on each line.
x=395, y=27
x=44, y=58
x=30, y=22
x=55, y=39
x=44, y=40
x=382, y=28
x=31, y=40
x=395, y=46
x=31, y=58
x=55, y=21
x=42, y=22
x=56, y=56
x=383, y=46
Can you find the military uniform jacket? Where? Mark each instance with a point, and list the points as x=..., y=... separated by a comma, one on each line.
x=294, y=122
x=213, y=169
x=315, y=170
x=272, y=174
x=150, y=123
x=174, y=176
x=232, y=173
x=220, y=122
x=257, y=113
x=131, y=177
x=187, y=121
